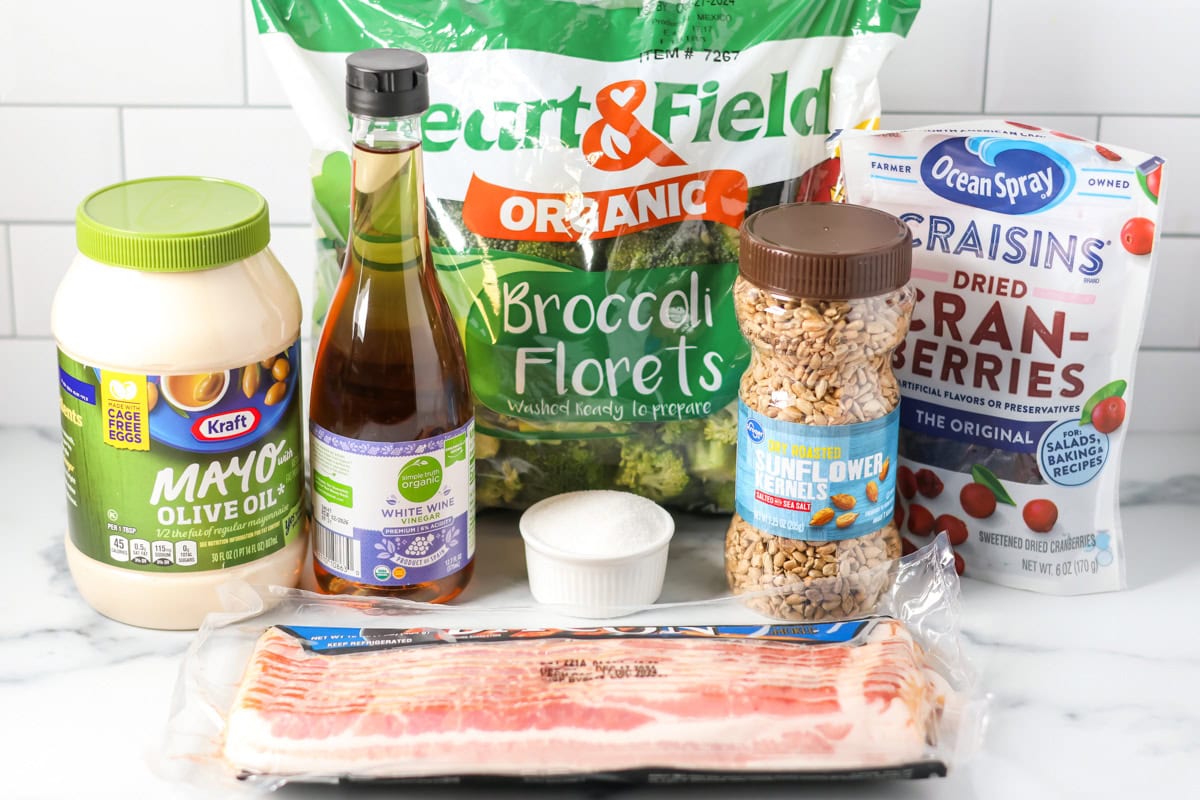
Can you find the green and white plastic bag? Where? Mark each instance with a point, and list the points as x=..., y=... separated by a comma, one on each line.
x=587, y=168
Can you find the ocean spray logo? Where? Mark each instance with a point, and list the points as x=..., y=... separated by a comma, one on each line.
x=995, y=174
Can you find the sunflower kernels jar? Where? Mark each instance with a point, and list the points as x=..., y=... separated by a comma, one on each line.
x=823, y=299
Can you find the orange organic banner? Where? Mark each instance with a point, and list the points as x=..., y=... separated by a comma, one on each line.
x=503, y=213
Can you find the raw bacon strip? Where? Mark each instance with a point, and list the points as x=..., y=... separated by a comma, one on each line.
x=545, y=706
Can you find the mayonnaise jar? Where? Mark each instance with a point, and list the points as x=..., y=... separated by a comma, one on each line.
x=178, y=352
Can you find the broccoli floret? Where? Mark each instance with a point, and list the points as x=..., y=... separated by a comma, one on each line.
x=595, y=253
x=684, y=431
x=654, y=472
x=486, y=446
x=499, y=486
x=722, y=426
x=568, y=253
x=632, y=251
x=725, y=242
x=707, y=443
x=566, y=466
x=682, y=244
x=448, y=229
x=721, y=495
x=713, y=455
x=711, y=460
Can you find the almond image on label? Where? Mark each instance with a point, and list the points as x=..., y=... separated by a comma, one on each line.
x=822, y=517
x=843, y=501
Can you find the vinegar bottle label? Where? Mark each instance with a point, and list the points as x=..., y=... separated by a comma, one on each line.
x=393, y=513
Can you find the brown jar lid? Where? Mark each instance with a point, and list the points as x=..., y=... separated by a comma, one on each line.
x=834, y=251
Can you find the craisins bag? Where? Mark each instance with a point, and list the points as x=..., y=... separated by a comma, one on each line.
x=1032, y=258
x=587, y=168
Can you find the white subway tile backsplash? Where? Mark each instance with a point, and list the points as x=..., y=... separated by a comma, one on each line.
x=265, y=148
x=41, y=255
x=6, y=328
x=1165, y=389
x=132, y=52
x=50, y=158
x=262, y=85
x=1093, y=56
x=1178, y=141
x=1085, y=126
x=6, y=306
x=1172, y=320
x=35, y=362
x=956, y=30
x=295, y=247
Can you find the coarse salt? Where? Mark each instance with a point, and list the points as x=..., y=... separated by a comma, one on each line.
x=598, y=524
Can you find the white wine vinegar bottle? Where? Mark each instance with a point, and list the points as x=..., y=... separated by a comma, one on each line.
x=391, y=416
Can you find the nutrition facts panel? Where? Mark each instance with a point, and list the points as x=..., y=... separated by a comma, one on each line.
x=161, y=553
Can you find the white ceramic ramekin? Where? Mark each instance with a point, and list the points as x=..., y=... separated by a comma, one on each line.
x=598, y=586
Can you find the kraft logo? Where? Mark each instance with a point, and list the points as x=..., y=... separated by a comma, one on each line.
x=1001, y=175
x=226, y=425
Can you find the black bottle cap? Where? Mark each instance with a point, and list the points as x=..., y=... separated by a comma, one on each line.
x=387, y=83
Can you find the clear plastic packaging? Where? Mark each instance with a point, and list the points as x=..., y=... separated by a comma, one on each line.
x=231, y=706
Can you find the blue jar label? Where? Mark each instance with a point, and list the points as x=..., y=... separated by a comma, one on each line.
x=816, y=483
x=393, y=513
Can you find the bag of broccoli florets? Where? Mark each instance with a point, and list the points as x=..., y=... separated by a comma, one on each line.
x=587, y=167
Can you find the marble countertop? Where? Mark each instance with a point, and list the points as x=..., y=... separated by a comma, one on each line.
x=1093, y=696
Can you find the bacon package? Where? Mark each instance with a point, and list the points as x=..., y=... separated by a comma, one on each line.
x=707, y=698
x=314, y=688
x=1033, y=252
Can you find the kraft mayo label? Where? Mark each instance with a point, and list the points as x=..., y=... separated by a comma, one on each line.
x=182, y=473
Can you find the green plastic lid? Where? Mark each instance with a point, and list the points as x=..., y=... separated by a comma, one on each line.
x=172, y=224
